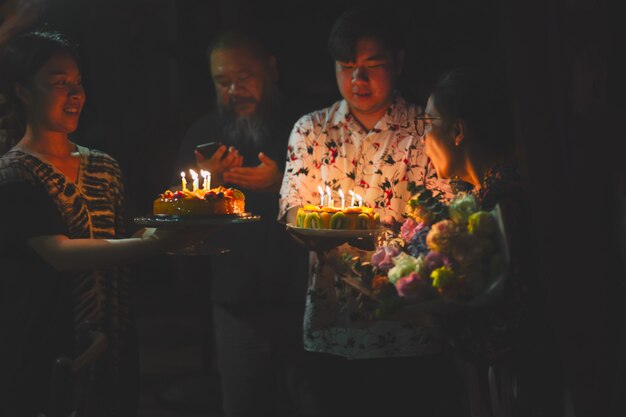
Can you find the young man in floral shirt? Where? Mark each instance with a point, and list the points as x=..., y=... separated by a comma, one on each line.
x=365, y=143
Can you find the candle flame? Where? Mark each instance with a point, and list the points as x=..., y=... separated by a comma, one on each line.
x=183, y=181
x=194, y=175
x=321, y=191
x=205, y=179
x=330, y=197
x=341, y=194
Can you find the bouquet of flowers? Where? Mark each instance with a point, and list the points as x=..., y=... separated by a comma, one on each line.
x=444, y=256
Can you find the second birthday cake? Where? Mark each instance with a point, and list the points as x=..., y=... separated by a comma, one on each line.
x=349, y=218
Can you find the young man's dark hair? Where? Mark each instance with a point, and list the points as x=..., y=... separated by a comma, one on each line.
x=365, y=22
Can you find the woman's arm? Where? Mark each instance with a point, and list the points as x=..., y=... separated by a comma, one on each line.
x=65, y=254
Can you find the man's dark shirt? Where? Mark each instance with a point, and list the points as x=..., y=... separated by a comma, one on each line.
x=264, y=265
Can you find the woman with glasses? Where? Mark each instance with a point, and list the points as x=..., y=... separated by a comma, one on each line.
x=467, y=128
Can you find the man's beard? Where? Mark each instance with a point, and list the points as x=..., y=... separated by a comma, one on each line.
x=253, y=129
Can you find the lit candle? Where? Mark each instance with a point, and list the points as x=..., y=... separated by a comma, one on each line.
x=352, y=200
x=184, y=181
x=343, y=202
x=194, y=175
x=319, y=190
x=205, y=179
x=330, y=196
x=358, y=197
x=208, y=180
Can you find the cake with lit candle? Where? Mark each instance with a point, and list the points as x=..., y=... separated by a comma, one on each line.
x=218, y=200
x=353, y=217
x=199, y=201
x=328, y=217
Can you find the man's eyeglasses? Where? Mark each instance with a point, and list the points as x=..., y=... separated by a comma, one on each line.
x=420, y=123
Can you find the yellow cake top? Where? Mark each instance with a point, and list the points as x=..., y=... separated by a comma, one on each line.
x=217, y=192
x=352, y=209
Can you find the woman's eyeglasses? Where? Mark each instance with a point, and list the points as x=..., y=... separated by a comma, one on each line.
x=420, y=123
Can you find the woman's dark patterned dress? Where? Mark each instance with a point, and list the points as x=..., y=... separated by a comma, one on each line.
x=90, y=208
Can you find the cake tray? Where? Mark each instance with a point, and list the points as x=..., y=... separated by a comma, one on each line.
x=334, y=233
x=186, y=221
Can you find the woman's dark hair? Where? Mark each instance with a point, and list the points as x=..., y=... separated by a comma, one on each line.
x=478, y=96
x=364, y=22
x=19, y=62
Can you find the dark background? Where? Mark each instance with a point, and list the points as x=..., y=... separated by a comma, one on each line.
x=146, y=80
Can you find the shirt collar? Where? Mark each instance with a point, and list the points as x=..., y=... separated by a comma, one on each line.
x=389, y=118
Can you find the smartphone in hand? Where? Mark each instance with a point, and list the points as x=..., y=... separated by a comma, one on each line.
x=208, y=149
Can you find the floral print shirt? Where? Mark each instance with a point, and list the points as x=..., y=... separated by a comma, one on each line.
x=330, y=148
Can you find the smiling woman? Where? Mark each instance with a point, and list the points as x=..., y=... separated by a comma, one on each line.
x=54, y=99
x=58, y=84
x=61, y=241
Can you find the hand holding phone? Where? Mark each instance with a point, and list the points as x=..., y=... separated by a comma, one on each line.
x=217, y=166
x=208, y=149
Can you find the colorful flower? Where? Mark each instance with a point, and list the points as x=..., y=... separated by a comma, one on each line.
x=379, y=281
x=404, y=265
x=383, y=257
x=461, y=207
x=409, y=228
x=414, y=288
x=432, y=261
x=483, y=224
x=441, y=236
x=443, y=278
x=418, y=242
x=381, y=287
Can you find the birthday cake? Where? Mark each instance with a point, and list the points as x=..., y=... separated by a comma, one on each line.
x=199, y=202
x=325, y=217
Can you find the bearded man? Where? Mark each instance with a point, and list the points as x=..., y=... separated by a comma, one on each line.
x=258, y=284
